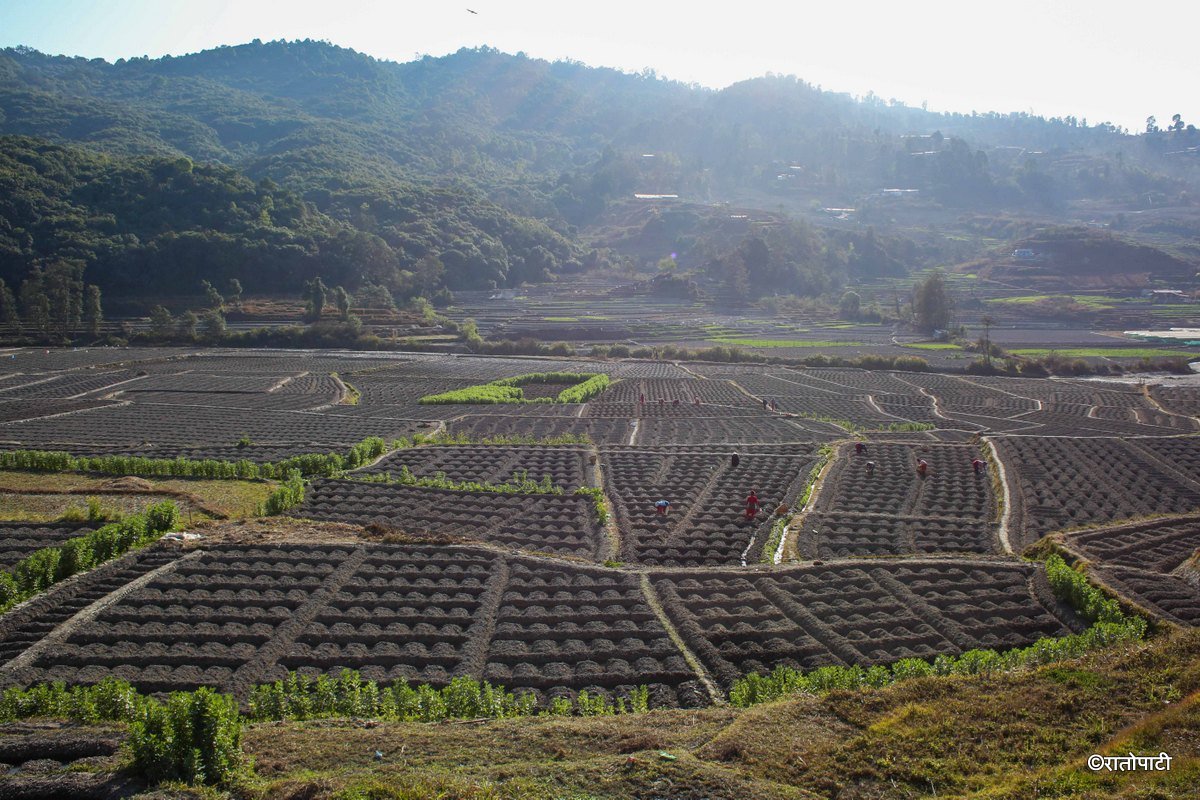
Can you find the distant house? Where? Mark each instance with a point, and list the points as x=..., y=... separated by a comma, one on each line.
x=1167, y=296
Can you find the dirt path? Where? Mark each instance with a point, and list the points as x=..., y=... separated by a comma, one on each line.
x=1007, y=514
x=611, y=529
x=476, y=661
x=652, y=600
x=871, y=402
x=253, y=671
x=105, y=388
x=89, y=613
x=801, y=515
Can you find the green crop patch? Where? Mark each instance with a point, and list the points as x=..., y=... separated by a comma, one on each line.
x=1094, y=302
x=579, y=388
x=932, y=346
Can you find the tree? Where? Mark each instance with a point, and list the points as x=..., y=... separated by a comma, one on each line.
x=373, y=295
x=235, y=292
x=429, y=274
x=187, y=325
x=850, y=305
x=342, y=300
x=35, y=306
x=932, y=304
x=8, y=307
x=736, y=281
x=92, y=313
x=212, y=298
x=988, y=321
x=1151, y=124
x=62, y=285
x=214, y=325
x=161, y=322
x=315, y=295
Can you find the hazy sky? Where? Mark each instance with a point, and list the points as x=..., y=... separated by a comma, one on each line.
x=1095, y=59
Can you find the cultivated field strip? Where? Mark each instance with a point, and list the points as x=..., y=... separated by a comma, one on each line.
x=15, y=410
x=235, y=615
x=1151, y=563
x=478, y=424
x=706, y=525
x=29, y=622
x=566, y=467
x=1174, y=598
x=1156, y=546
x=1178, y=399
x=857, y=612
x=1064, y=483
x=545, y=523
x=19, y=539
x=730, y=429
x=137, y=424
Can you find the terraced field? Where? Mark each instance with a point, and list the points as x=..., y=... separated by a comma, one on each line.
x=426, y=579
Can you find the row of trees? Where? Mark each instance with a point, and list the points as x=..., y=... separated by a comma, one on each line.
x=52, y=303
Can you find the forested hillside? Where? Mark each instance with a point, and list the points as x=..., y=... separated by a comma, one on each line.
x=273, y=163
x=157, y=224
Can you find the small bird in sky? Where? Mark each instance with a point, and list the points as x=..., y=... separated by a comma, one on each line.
x=473, y=11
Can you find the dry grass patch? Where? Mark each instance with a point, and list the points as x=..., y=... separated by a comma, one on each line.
x=42, y=497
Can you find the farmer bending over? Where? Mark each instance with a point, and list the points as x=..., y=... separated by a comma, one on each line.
x=922, y=467
x=977, y=465
x=662, y=507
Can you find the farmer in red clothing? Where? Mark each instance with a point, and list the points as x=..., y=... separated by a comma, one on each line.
x=859, y=448
x=922, y=467
x=977, y=465
x=752, y=505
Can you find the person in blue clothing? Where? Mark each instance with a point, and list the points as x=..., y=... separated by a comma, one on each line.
x=662, y=507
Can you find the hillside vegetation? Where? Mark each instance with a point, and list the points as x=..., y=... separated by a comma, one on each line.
x=276, y=162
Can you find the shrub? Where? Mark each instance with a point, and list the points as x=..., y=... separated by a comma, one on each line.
x=508, y=390
x=599, y=503
x=43, y=568
x=520, y=483
x=324, y=464
x=289, y=495
x=195, y=737
x=349, y=695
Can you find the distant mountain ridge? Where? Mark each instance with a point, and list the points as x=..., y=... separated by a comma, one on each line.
x=493, y=163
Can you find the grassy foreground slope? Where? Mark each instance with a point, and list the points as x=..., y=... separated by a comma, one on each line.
x=1008, y=736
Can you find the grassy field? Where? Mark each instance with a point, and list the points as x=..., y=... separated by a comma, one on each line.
x=1014, y=736
x=1095, y=302
x=932, y=346
x=1104, y=352
x=41, y=497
